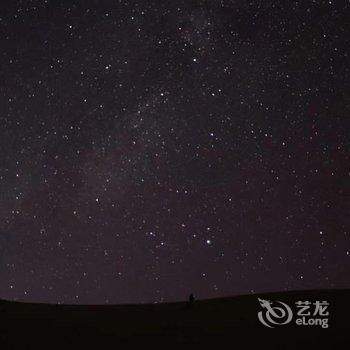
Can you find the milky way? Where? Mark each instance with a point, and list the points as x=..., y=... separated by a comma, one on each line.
x=153, y=149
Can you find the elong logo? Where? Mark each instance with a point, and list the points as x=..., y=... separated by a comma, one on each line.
x=274, y=315
x=277, y=313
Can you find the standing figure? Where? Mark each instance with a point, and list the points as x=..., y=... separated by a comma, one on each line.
x=191, y=300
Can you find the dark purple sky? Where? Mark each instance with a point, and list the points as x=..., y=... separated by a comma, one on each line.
x=150, y=149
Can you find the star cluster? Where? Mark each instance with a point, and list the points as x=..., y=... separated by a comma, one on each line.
x=150, y=149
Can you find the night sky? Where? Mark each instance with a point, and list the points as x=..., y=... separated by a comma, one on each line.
x=150, y=149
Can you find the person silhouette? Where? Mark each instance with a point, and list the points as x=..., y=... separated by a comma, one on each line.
x=191, y=299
